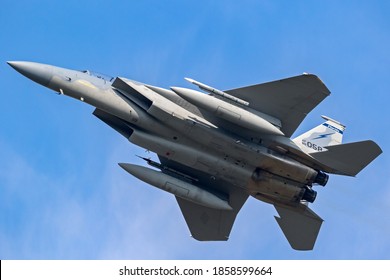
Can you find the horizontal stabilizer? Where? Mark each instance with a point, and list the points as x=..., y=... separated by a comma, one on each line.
x=300, y=225
x=348, y=159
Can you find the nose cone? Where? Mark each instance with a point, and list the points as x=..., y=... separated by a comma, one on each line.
x=39, y=73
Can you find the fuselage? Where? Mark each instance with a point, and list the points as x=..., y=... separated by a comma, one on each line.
x=160, y=124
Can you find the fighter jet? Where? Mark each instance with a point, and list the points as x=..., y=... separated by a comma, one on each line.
x=216, y=148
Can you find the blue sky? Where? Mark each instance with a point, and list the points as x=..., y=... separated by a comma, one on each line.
x=62, y=194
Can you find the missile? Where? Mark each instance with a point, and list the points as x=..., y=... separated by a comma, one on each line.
x=228, y=111
x=176, y=186
x=217, y=92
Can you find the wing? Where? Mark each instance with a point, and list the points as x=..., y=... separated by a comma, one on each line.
x=289, y=100
x=206, y=224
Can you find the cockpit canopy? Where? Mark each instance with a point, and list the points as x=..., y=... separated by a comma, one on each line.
x=99, y=75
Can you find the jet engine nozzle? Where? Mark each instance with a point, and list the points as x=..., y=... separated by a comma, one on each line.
x=321, y=178
x=309, y=195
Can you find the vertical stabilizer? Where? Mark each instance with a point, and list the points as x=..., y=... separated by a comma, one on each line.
x=328, y=133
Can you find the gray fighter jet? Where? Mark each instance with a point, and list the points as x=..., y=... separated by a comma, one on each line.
x=218, y=148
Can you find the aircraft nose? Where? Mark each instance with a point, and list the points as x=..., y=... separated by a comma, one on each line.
x=39, y=73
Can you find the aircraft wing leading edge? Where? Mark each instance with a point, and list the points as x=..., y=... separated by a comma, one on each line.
x=289, y=100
